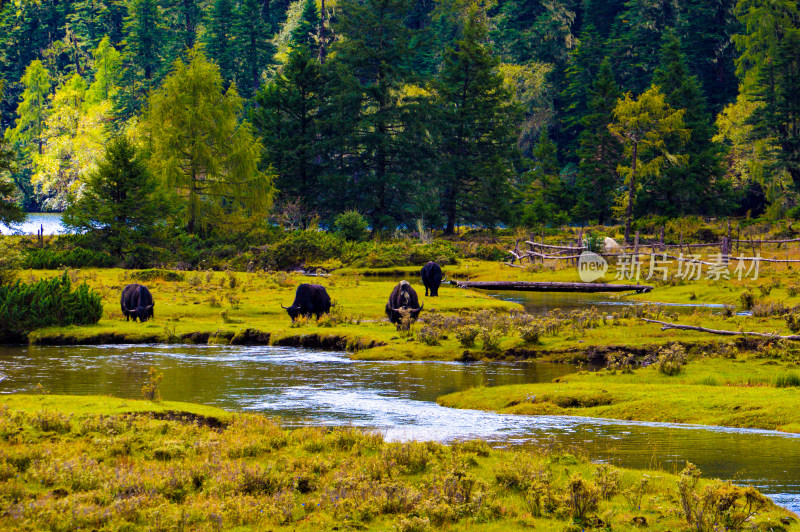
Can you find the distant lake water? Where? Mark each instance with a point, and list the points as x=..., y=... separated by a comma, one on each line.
x=51, y=221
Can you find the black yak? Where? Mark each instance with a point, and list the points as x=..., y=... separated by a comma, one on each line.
x=137, y=302
x=403, y=300
x=432, y=278
x=309, y=299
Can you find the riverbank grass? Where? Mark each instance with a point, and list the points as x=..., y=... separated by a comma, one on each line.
x=749, y=391
x=240, y=308
x=111, y=464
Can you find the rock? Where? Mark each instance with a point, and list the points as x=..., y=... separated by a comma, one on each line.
x=610, y=245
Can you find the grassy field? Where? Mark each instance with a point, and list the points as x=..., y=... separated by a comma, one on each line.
x=98, y=463
x=218, y=307
x=750, y=391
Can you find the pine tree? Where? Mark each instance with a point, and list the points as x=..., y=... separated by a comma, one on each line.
x=143, y=57
x=599, y=151
x=202, y=150
x=643, y=126
x=602, y=14
x=287, y=117
x=546, y=194
x=479, y=129
x=372, y=55
x=91, y=20
x=32, y=111
x=107, y=73
x=706, y=30
x=186, y=18
x=10, y=212
x=220, y=44
x=307, y=30
x=121, y=202
x=769, y=67
x=636, y=40
x=693, y=187
x=582, y=71
x=253, y=46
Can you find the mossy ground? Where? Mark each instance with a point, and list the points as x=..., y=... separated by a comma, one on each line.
x=732, y=392
x=71, y=463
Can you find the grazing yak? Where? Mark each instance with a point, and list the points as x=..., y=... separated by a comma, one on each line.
x=432, y=278
x=403, y=300
x=137, y=302
x=309, y=299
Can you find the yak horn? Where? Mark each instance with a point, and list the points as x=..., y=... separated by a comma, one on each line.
x=285, y=308
x=445, y=279
x=420, y=307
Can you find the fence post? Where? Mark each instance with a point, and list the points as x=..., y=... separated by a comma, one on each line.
x=725, y=249
x=636, y=246
x=661, y=240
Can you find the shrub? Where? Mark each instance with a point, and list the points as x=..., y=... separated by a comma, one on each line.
x=531, y=333
x=491, y=340
x=150, y=275
x=428, y=335
x=9, y=260
x=748, y=299
x=671, y=359
x=352, y=226
x=25, y=307
x=793, y=321
x=595, y=242
x=716, y=504
x=48, y=259
x=582, y=497
x=607, y=479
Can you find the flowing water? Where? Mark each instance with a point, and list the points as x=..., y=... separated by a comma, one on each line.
x=303, y=387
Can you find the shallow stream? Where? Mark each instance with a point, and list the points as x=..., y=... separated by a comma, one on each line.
x=303, y=387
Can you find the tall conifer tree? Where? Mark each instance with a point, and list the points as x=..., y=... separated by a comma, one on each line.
x=599, y=150
x=479, y=129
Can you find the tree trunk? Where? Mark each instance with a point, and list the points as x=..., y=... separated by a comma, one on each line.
x=631, y=192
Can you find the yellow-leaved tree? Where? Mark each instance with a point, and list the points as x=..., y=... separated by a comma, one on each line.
x=643, y=125
x=202, y=149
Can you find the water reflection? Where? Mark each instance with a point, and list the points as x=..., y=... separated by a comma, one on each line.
x=541, y=302
x=320, y=388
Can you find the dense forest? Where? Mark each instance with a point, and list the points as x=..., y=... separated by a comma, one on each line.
x=214, y=113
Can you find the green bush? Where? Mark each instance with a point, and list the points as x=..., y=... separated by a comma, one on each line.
x=164, y=275
x=49, y=259
x=9, y=260
x=25, y=307
x=671, y=359
x=352, y=226
x=301, y=247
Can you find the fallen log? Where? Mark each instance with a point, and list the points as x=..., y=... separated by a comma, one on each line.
x=523, y=286
x=666, y=325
